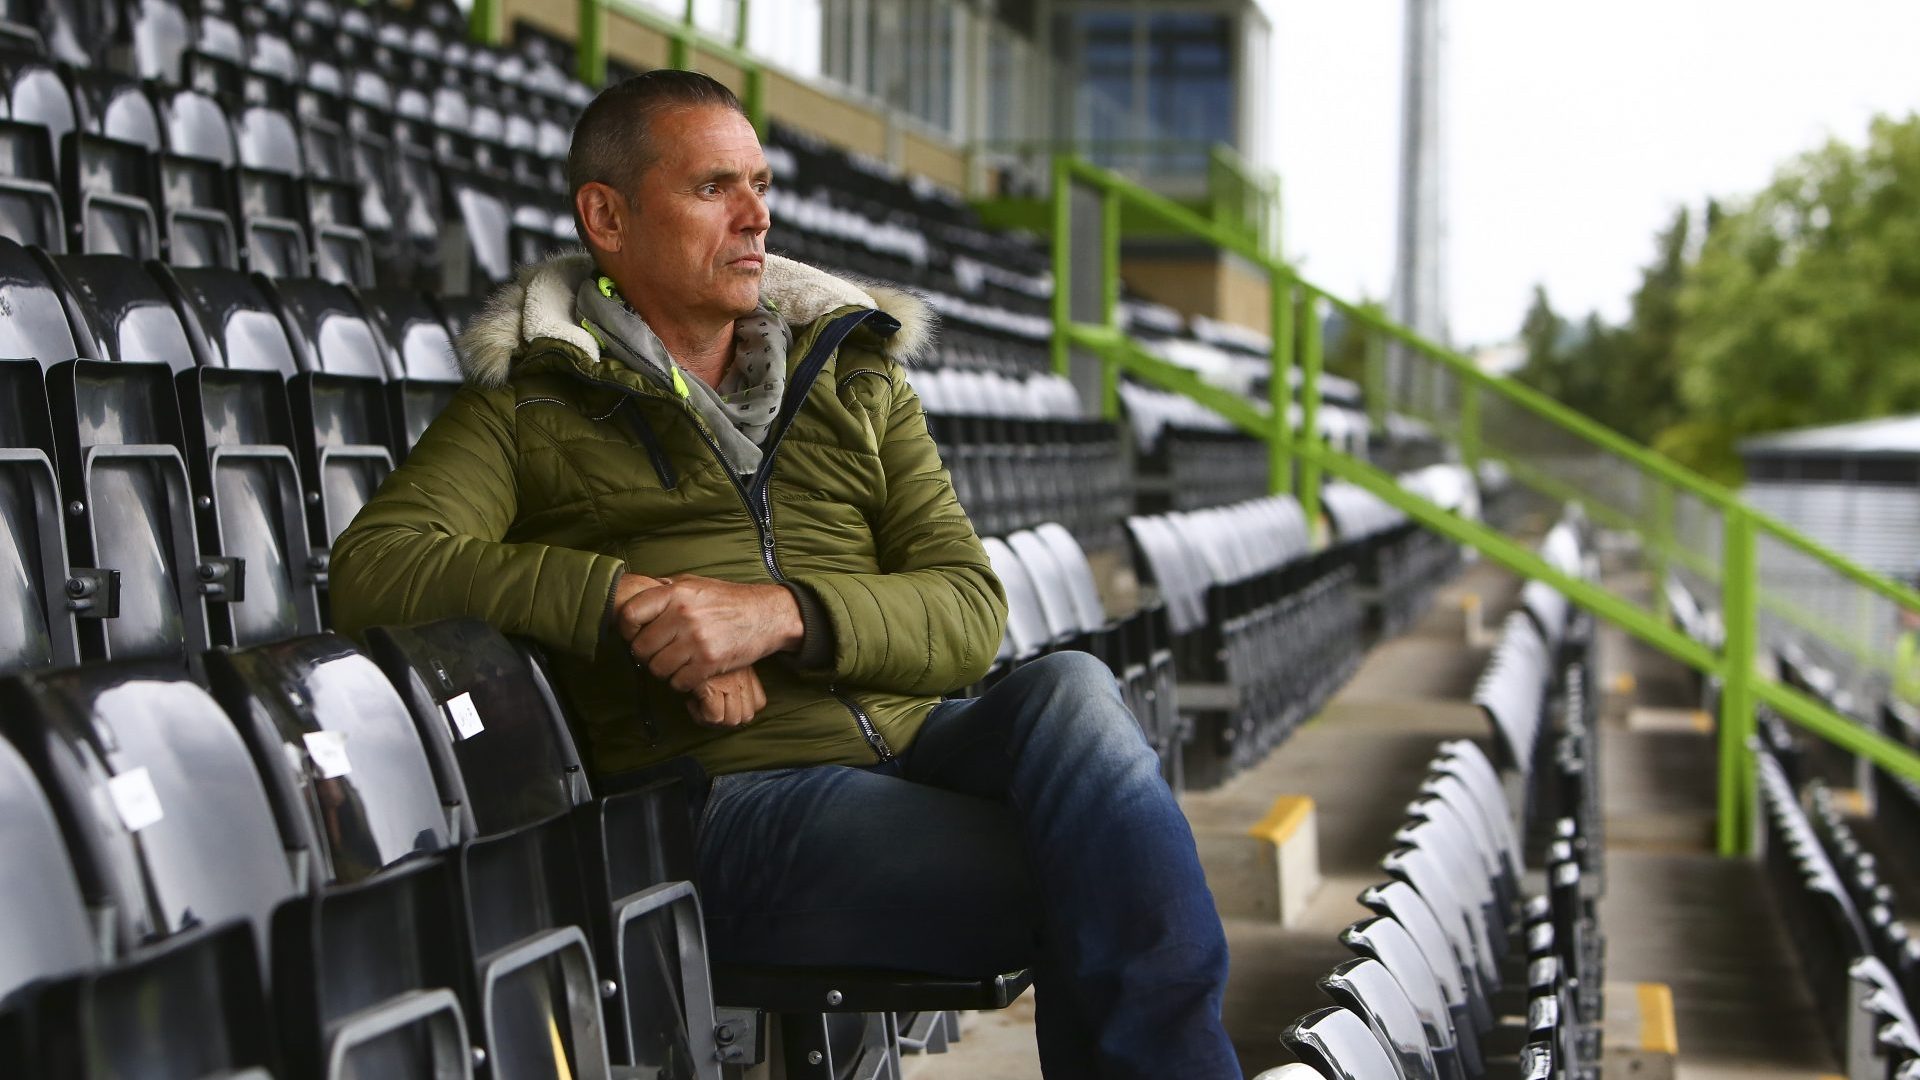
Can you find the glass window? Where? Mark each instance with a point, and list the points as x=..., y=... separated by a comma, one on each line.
x=1190, y=78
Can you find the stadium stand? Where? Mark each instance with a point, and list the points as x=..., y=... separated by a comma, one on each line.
x=236, y=244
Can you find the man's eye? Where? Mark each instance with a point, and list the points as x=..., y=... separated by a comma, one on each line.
x=709, y=189
x=762, y=189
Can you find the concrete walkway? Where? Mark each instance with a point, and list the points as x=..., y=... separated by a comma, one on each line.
x=1674, y=913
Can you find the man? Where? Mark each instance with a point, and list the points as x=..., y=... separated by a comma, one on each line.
x=696, y=473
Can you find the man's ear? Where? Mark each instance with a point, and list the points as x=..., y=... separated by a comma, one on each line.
x=603, y=216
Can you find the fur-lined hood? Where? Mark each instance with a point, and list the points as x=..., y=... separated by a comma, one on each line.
x=540, y=303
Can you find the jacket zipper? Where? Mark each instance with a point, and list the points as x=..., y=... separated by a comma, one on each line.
x=762, y=512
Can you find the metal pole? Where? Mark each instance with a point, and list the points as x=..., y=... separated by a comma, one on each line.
x=1110, y=208
x=1310, y=345
x=1280, y=383
x=740, y=25
x=483, y=22
x=1470, y=426
x=592, y=58
x=1062, y=262
x=1662, y=536
x=1737, y=723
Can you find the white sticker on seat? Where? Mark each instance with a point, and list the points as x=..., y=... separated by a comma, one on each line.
x=328, y=749
x=466, y=718
x=135, y=799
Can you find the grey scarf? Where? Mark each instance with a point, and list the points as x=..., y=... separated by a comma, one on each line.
x=740, y=412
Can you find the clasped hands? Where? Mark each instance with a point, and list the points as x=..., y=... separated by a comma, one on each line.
x=702, y=636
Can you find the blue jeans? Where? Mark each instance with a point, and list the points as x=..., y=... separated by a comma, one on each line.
x=1028, y=827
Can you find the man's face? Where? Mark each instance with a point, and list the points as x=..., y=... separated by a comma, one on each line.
x=696, y=244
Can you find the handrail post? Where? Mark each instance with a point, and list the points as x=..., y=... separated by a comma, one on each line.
x=1310, y=347
x=1376, y=380
x=1062, y=262
x=1738, y=589
x=1470, y=426
x=591, y=63
x=483, y=22
x=740, y=25
x=1661, y=534
x=1110, y=208
x=1280, y=382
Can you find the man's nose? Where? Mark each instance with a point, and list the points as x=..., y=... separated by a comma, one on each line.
x=753, y=216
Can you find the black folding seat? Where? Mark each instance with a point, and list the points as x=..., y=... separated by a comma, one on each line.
x=44, y=930
x=37, y=96
x=368, y=977
x=37, y=617
x=122, y=467
x=111, y=190
x=1366, y=988
x=1455, y=1053
x=165, y=817
x=351, y=785
x=485, y=708
x=31, y=211
x=272, y=172
x=187, y=1008
x=200, y=205
x=1027, y=632
x=1468, y=998
x=241, y=445
x=339, y=402
x=477, y=249
x=423, y=356
x=1336, y=1043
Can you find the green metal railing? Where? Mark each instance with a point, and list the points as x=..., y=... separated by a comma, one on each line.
x=1237, y=195
x=1767, y=581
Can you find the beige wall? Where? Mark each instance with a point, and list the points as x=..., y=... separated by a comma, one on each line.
x=1217, y=286
x=560, y=19
x=836, y=120
x=935, y=160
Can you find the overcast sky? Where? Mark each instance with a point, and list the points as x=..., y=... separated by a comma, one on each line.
x=1573, y=131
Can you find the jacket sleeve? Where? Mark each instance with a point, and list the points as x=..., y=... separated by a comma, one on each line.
x=429, y=545
x=932, y=619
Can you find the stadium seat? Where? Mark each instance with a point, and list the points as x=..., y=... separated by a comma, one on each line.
x=1455, y=1053
x=44, y=931
x=35, y=93
x=31, y=211
x=350, y=782
x=1336, y=1043
x=368, y=979
x=1367, y=989
x=1467, y=997
x=187, y=1008
x=422, y=356
x=166, y=819
x=339, y=402
x=123, y=475
x=200, y=207
x=490, y=720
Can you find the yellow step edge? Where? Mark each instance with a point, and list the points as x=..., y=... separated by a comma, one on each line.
x=1288, y=814
x=1624, y=683
x=1658, y=1033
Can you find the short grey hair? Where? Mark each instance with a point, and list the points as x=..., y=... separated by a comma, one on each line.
x=613, y=139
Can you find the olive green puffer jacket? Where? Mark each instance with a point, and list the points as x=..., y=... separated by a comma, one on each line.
x=553, y=470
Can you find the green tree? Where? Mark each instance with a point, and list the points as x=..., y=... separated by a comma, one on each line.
x=1804, y=304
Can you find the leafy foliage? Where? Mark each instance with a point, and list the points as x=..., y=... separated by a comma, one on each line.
x=1799, y=307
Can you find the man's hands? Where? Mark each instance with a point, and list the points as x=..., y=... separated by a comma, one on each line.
x=702, y=636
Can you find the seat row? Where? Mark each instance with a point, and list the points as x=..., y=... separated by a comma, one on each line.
x=182, y=446
x=329, y=862
x=1054, y=604
x=1020, y=453
x=1862, y=1003
x=358, y=181
x=1263, y=628
x=1458, y=964
x=1398, y=564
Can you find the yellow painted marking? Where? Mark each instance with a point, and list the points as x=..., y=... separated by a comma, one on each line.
x=1625, y=683
x=1701, y=721
x=1470, y=602
x=560, y=1067
x=1658, y=1034
x=1288, y=814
